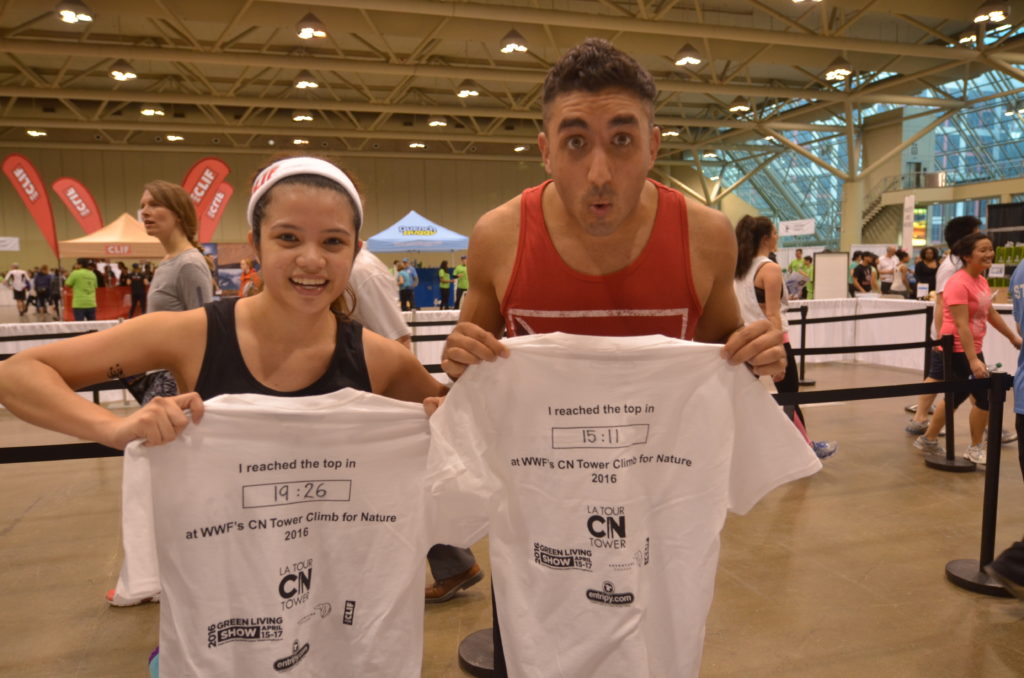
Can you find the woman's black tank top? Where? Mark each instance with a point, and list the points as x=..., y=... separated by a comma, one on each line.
x=224, y=371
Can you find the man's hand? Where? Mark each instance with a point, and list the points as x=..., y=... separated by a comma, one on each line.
x=759, y=345
x=469, y=344
x=159, y=421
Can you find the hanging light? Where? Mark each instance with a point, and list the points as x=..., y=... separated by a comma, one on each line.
x=305, y=80
x=993, y=12
x=300, y=142
x=513, y=42
x=437, y=121
x=670, y=133
x=152, y=110
x=174, y=137
x=840, y=69
x=310, y=27
x=302, y=116
x=72, y=11
x=122, y=71
x=468, y=88
x=417, y=144
x=739, y=105
x=687, y=56
x=35, y=133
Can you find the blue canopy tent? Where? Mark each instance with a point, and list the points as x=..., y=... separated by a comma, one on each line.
x=416, y=233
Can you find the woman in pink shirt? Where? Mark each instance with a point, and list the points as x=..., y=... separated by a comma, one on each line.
x=966, y=313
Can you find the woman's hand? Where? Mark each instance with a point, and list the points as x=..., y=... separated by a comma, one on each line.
x=158, y=422
x=978, y=368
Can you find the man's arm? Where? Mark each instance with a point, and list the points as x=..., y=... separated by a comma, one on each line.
x=475, y=338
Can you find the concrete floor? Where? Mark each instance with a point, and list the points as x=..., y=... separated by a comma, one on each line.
x=839, y=575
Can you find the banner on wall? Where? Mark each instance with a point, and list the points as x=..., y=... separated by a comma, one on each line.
x=210, y=218
x=10, y=244
x=796, y=227
x=30, y=188
x=201, y=182
x=79, y=202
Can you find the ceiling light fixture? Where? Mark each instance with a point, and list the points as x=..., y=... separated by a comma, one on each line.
x=72, y=11
x=967, y=37
x=174, y=137
x=687, y=56
x=417, y=144
x=310, y=27
x=670, y=133
x=468, y=88
x=797, y=2
x=739, y=105
x=305, y=80
x=300, y=142
x=302, y=116
x=840, y=69
x=152, y=110
x=437, y=121
x=994, y=12
x=709, y=155
x=35, y=133
x=122, y=71
x=520, y=149
x=513, y=42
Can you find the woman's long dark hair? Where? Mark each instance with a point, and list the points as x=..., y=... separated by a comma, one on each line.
x=750, y=231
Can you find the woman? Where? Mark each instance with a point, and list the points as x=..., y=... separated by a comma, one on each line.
x=760, y=291
x=249, y=283
x=966, y=313
x=924, y=270
x=901, y=275
x=445, y=284
x=292, y=339
x=182, y=281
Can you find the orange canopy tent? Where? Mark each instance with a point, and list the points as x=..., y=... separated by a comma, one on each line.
x=123, y=238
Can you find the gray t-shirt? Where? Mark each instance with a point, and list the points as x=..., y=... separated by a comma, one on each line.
x=180, y=283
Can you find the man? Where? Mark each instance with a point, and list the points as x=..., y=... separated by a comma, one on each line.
x=18, y=280
x=414, y=282
x=887, y=266
x=798, y=260
x=83, y=282
x=864, y=277
x=138, y=282
x=404, y=286
x=376, y=304
x=561, y=256
x=461, y=275
x=854, y=263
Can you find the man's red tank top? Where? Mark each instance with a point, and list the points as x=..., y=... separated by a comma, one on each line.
x=652, y=295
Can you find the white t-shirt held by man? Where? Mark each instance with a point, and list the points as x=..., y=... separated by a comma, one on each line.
x=603, y=468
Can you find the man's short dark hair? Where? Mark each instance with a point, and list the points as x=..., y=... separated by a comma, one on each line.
x=958, y=227
x=595, y=65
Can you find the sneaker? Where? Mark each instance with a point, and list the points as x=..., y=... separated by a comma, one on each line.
x=913, y=409
x=1008, y=569
x=929, y=446
x=977, y=454
x=445, y=589
x=825, y=448
x=1006, y=438
x=916, y=427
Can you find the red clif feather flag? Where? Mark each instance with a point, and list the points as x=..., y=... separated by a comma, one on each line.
x=30, y=188
x=79, y=202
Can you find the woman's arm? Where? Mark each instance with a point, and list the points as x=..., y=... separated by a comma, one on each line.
x=996, y=321
x=38, y=384
x=770, y=278
x=963, y=327
x=395, y=372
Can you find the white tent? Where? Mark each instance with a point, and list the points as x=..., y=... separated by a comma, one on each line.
x=123, y=238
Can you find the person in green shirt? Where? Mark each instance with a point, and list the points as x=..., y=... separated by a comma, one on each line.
x=445, y=284
x=797, y=262
x=802, y=265
x=82, y=282
x=461, y=275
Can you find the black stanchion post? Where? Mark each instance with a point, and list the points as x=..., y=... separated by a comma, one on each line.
x=803, y=346
x=929, y=312
x=967, y=573
x=948, y=461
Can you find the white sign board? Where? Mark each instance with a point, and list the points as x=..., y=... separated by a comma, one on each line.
x=997, y=271
x=908, y=222
x=796, y=227
x=10, y=244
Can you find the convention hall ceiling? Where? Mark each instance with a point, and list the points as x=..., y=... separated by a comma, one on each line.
x=223, y=71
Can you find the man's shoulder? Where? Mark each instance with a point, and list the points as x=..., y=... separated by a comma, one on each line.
x=498, y=228
x=708, y=227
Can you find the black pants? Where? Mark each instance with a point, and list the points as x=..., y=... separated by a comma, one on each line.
x=791, y=381
x=458, y=297
x=139, y=301
x=405, y=297
x=1020, y=442
x=445, y=297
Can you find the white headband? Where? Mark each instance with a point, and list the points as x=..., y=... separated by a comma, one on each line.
x=290, y=167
